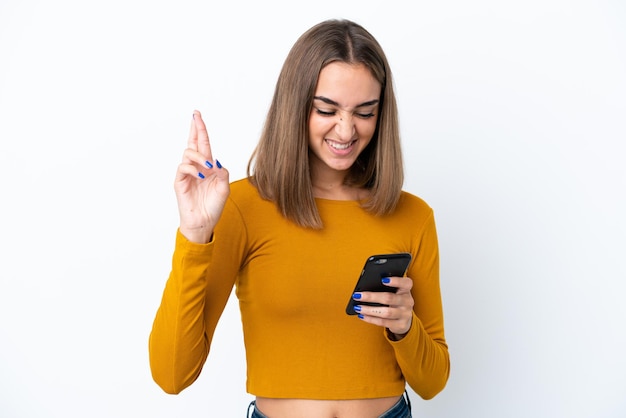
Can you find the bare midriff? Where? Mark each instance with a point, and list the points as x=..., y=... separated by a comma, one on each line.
x=310, y=408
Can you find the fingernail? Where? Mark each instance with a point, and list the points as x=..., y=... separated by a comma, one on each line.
x=356, y=296
x=360, y=316
x=208, y=164
x=217, y=163
x=386, y=280
x=357, y=308
x=201, y=175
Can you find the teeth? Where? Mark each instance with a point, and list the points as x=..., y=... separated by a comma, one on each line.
x=337, y=145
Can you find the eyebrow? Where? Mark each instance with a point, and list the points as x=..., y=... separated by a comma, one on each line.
x=334, y=103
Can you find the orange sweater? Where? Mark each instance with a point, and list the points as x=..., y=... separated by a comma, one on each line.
x=293, y=285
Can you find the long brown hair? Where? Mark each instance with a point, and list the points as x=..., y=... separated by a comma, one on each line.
x=279, y=166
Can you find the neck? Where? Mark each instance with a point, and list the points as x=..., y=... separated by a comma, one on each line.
x=334, y=191
x=330, y=184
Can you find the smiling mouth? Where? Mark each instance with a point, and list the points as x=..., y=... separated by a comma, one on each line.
x=340, y=146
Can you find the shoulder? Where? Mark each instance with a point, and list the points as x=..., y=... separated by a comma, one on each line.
x=242, y=188
x=244, y=195
x=413, y=210
x=411, y=202
x=244, y=204
x=417, y=216
x=245, y=208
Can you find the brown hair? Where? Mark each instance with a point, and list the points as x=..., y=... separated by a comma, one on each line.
x=280, y=162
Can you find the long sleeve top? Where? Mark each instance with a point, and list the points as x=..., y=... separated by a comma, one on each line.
x=293, y=285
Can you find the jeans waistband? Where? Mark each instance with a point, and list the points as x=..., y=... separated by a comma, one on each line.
x=402, y=409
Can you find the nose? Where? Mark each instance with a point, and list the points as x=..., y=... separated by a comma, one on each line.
x=345, y=128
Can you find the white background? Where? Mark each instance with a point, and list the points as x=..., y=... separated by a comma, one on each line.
x=513, y=123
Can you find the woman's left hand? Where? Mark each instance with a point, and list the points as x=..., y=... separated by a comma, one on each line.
x=398, y=315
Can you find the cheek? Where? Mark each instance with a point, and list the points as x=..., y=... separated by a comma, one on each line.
x=366, y=129
x=318, y=125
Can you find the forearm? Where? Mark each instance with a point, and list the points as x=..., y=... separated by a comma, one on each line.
x=178, y=343
x=424, y=361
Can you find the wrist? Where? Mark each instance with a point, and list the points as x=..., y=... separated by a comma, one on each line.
x=198, y=235
x=395, y=337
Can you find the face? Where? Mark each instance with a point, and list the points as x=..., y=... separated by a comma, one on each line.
x=343, y=118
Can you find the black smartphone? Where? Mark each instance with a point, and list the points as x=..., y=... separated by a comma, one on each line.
x=376, y=267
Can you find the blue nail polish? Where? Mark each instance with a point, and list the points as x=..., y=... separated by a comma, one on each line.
x=201, y=175
x=208, y=164
x=357, y=308
x=356, y=296
x=386, y=280
x=217, y=163
x=360, y=316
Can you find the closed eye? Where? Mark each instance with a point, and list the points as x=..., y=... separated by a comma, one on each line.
x=324, y=112
x=333, y=113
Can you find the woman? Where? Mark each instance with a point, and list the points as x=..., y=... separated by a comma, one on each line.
x=323, y=193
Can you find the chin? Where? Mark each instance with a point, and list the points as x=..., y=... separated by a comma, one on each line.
x=341, y=167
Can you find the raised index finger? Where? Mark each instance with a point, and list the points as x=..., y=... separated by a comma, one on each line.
x=201, y=136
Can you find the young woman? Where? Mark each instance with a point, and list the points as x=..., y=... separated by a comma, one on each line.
x=323, y=193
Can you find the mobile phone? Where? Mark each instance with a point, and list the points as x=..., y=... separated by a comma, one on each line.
x=376, y=267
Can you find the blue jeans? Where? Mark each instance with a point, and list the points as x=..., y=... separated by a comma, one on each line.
x=402, y=409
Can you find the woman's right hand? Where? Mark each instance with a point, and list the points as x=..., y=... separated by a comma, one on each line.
x=201, y=185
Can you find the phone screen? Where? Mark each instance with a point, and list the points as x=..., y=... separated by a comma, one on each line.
x=376, y=267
